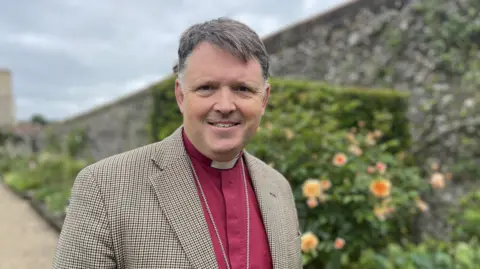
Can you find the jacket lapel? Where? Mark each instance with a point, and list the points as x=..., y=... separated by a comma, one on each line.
x=268, y=195
x=177, y=194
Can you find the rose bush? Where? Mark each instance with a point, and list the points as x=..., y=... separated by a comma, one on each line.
x=352, y=192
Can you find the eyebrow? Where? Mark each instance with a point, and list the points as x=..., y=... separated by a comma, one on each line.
x=234, y=83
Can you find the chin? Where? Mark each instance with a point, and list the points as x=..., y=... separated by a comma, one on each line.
x=225, y=146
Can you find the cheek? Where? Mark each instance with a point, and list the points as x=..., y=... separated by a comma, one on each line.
x=252, y=111
x=196, y=110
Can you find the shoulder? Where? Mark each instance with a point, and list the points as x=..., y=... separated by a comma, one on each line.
x=130, y=160
x=280, y=180
x=121, y=169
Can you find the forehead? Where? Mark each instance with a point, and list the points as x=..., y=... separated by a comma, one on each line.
x=208, y=62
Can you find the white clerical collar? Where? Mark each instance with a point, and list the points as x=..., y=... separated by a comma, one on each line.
x=224, y=165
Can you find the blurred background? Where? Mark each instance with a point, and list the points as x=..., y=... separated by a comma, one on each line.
x=392, y=85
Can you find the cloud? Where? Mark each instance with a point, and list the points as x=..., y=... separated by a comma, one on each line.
x=310, y=7
x=263, y=24
x=36, y=41
x=68, y=56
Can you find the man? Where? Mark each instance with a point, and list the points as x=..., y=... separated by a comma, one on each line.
x=196, y=199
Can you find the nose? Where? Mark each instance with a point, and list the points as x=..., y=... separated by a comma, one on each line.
x=225, y=101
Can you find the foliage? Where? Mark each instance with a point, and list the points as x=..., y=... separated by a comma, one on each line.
x=465, y=219
x=76, y=143
x=165, y=116
x=427, y=255
x=9, y=162
x=8, y=136
x=3, y=137
x=48, y=177
x=53, y=141
x=39, y=119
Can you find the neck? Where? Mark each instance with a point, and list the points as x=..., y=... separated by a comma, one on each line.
x=219, y=162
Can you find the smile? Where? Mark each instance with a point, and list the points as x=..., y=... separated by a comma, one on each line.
x=223, y=125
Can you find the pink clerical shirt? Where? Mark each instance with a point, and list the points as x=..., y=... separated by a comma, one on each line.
x=225, y=192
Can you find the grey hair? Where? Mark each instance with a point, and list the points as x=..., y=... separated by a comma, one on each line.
x=233, y=36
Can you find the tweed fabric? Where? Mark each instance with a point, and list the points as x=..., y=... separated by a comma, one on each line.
x=140, y=209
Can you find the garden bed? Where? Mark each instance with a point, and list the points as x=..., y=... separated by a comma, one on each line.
x=55, y=221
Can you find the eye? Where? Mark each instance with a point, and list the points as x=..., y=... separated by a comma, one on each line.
x=243, y=89
x=205, y=88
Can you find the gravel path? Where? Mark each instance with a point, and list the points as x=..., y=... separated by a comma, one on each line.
x=26, y=240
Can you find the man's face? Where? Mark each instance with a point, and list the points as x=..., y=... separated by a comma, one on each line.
x=222, y=100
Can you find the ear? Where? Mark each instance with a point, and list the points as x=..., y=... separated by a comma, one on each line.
x=179, y=95
x=265, y=98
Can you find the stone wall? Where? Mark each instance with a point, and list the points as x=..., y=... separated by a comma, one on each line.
x=374, y=44
x=113, y=128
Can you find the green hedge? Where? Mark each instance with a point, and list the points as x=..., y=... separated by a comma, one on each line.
x=165, y=116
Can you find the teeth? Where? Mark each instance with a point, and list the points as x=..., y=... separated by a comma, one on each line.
x=221, y=125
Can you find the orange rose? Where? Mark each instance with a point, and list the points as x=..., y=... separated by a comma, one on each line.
x=382, y=212
x=380, y=188
x=422, y=205
x=370, y=139
x=355, y=150
x=312, y=202
x=311, y=188
x=381, y=167
x=309, y=242
x=351, y=138
x=340, y=159
x=339, y=243
x=377, y=134
x=325, y=184
x=438, y=181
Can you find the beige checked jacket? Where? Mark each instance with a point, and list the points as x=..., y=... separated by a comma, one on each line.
x=140, y=209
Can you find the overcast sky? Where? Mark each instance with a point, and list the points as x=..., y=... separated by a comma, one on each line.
x=68, y=56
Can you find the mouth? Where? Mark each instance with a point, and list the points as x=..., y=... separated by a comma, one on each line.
x=224, y=124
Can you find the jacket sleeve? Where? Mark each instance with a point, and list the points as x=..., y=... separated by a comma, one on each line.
x=85, y=240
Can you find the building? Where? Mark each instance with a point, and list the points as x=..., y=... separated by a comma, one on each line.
x=7, y=105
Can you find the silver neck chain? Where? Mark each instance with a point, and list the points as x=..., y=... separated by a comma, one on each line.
x=213, y=222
